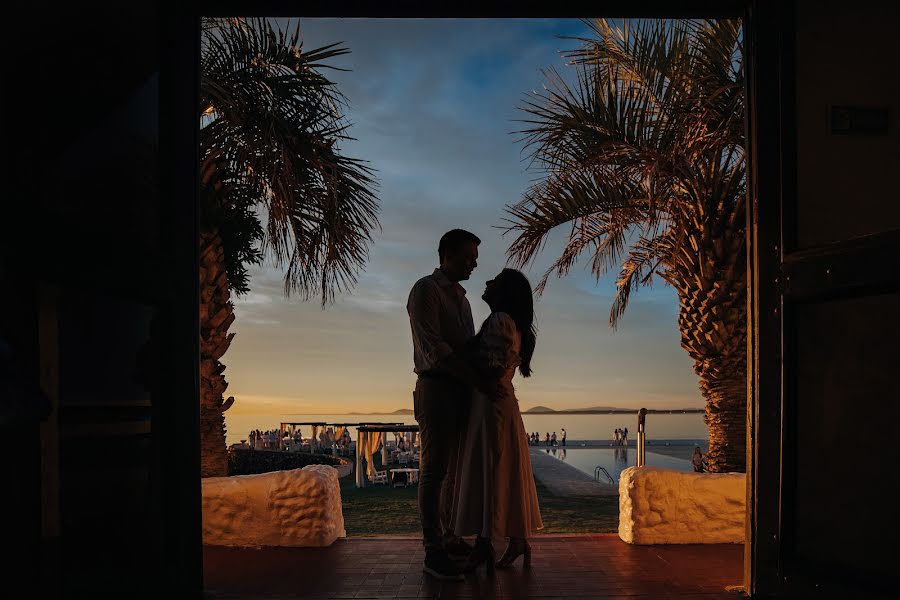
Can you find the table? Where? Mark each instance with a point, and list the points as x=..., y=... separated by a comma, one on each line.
x=412, y=475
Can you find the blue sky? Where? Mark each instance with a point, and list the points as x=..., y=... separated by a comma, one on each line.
x=433, y=107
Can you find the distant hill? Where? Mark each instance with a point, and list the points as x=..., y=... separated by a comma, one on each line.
x=544, y=410
x=540, y=409
x=399, y=411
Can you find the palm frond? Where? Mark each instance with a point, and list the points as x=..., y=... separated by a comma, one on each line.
x=645, y=143
x=597, y=203
x=278, y=123
x=644, y=259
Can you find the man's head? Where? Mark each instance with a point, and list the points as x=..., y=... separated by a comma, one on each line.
x=458, y=251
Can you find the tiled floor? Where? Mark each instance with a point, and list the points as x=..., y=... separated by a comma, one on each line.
x=580, y=567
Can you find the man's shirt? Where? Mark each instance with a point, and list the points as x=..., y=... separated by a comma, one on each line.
x=440, y=317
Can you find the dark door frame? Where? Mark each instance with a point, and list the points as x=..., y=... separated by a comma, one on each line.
x=769, y=96
x=176, y=416
x=768, y=35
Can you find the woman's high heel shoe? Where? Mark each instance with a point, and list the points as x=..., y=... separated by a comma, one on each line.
x=483, y=552
x=517, y=547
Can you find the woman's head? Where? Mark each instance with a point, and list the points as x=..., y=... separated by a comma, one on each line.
x=510, y=292
x=697, y=450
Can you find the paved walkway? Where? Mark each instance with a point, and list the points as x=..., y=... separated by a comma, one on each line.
x=582, y=567
x=565, y=480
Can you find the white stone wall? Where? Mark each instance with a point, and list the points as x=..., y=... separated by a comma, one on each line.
x=301, y=507
x=661, y=506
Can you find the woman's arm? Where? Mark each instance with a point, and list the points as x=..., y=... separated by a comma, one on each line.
x=491, y=352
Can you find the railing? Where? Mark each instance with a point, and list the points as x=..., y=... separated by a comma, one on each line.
x=642, y=439
x=598, y=470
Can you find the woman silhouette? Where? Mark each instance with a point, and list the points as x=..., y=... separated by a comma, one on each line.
x=495, y=494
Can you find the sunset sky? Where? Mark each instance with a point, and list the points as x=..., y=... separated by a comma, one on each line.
x=433, y=107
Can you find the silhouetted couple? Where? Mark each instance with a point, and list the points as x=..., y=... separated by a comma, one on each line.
x=475, y=471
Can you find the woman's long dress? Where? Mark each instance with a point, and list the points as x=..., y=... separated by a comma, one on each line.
x=495, y=492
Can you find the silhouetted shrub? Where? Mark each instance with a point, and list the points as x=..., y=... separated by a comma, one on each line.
x=250, y=462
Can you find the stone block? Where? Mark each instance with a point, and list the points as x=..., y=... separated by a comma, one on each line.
x=662, y=506
x=301, y=507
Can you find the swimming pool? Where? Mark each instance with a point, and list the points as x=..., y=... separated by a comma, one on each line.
x=614, y=460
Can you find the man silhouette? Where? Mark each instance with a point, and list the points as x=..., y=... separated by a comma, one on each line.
x=441, y=321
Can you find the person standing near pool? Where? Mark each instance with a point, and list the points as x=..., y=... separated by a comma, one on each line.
x=625, y=437
x=564, y=436
x=697, y=460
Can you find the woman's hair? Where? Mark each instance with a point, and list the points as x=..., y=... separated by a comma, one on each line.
x=516, y=300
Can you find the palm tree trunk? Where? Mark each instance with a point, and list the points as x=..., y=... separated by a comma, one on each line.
x=216, y=316
x=713, y=324
x=723, y=383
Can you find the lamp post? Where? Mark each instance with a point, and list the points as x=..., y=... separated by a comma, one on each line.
x=642, y=439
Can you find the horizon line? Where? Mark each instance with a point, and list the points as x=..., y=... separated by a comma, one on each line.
x=556, y=410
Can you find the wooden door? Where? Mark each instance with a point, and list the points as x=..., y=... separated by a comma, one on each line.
x=825, y=290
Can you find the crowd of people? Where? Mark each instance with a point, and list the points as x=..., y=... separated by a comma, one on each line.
x=621, y=436
x=271, y=440
x=551, y=439
x=263, y=440
x=343, y=442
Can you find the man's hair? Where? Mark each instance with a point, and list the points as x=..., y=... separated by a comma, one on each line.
x=454, y=239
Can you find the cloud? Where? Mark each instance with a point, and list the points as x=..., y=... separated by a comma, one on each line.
x=432, y=106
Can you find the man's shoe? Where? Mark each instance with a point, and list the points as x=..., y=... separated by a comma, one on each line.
x=458, y=547
x=438, y=565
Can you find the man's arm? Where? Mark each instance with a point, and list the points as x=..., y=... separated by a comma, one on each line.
x=459, y=368
x=424, y=315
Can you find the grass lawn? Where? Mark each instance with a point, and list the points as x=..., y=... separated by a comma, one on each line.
x=578, y=514
x=386, y=510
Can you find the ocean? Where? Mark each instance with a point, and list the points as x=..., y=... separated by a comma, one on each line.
x=677, y=426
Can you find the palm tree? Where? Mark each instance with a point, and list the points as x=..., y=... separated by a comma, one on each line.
x=642, y=158
x=273, y=183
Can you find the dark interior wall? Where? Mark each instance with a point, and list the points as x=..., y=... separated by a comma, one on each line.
x=22, y=406
x=105, y=202
x=846, y=361
x=846, y=57
x=81, y=256
x=848, y=407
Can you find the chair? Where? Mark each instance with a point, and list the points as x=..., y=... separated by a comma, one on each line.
x=379, y=478
x=403, y=459
x=400, y=479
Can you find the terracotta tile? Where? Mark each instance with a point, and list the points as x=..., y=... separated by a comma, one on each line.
x=570, y=567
